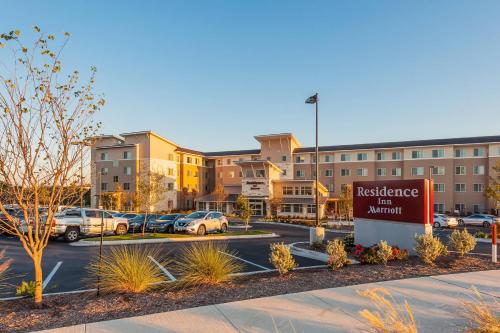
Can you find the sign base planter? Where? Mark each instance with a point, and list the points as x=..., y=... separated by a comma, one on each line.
x=316, y=235
x=369, y=232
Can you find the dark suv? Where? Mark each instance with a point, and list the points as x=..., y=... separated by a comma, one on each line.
x=164, y=223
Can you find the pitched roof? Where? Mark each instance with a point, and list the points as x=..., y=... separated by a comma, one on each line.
x=189, y=151
x=405, y=144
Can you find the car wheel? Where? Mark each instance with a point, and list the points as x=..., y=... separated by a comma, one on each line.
x=461, y=223
x=437, y=225
x=71, y=234
x=223, y=228
x=170, y=229
x=202, y=230
x=121, y=229
x=486, y=224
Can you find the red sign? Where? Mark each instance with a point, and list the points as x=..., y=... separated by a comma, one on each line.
x=409, y=201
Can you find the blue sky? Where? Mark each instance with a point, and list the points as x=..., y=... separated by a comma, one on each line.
x=210, y=75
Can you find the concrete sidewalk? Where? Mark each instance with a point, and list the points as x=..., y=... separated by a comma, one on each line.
x=435, y=302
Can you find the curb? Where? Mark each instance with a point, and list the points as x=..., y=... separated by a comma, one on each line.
x=483, y=240
x=239, y=227
x=303, y=227
x=170, y=240
x=308, y=253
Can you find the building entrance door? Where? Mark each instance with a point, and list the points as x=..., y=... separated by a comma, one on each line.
x=257, y=207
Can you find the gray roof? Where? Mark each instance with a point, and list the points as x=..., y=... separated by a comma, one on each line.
x=233, y=152
x=403, y=144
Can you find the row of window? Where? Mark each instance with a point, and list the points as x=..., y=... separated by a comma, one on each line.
x=297, y=208
x=460, y=187
x=297, y=190
x=460, y=207
x=126, y=186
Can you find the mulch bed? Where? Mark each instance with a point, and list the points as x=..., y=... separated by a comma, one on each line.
x=65, y=310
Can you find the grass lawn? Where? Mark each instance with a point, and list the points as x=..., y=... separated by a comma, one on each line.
x=161, y=235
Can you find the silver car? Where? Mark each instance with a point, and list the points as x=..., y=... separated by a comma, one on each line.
x=484, y=220
x=441, y=221
x=201, y=223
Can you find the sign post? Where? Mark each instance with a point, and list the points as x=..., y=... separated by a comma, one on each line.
x=494, y=242
x=394, y=211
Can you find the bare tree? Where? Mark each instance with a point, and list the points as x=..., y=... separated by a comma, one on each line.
x=346, y=202
x=219, y=195
x=492, y=191
x=44, y=110
x=245, y=211
x=275, y=204
x=150, y=190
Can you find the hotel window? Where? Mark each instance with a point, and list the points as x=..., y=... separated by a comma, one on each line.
x=345, y=172
x=381, y=172
x=127, y=155
x=249, y=173
x=476, y=208
x=439, y=208
x=345, y=157
x=330, y=188
x=300, y=173
x=231, y=174
x=305, y=190
x=328, y=158
x=170, y=171
x=170, y=157
x=329, y=173
x=189, y=159
x=284, y=172
x=459, y=152
x=104, y=171
x=115, y=179
x=478, y=187
x=438, y=170
x=396, y=172
x=283, y=158
x=297, y=190
x=460, y=170
x=438, y=153
x=459, y=187
x=286, y=208
x=396, y=155
x=380, y=156
x=417, y=154
x=460, y=207
x=299, y=159
x=438, y=187
x=170, y=186
x=126, y=186
x=178, y=158
x=219, y=162
x=104, y=186
x=195, y=174
x=104, y=156
x=362, y=156
x=260, y=173
x=417, y=171
x=478, y=152
x=478, y=169
x=311, y=209
x=313, y=158
x=228, y=161
x=362, y=172
x=287, y=190
x=127, y=171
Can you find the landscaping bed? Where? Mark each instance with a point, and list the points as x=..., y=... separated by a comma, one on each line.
x=71, y=309
x=139, y=236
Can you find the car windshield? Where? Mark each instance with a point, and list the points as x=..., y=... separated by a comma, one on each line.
x=196, y=215
x=167, y=217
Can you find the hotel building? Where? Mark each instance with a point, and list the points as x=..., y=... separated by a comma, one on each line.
x=279, y=175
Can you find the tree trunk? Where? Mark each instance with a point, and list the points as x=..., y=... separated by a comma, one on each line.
x=37, y=264
x=144, y=224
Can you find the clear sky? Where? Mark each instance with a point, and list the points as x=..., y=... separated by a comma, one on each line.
x=209, y=75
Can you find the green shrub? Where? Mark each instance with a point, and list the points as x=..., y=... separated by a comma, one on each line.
x=207, y=263
x=127, y=269
x=462, y=241
x=429, y=248
x=281, y=258
x=384, y=252
x=337, y=255
x=349, y=240
x=480, y=234
x=316, y=246
x=26, y=289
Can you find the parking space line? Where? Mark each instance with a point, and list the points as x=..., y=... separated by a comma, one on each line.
x=246, y=261
x=51, y=274
x=163, y=269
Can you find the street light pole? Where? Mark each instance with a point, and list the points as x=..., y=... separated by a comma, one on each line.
x=317, y=166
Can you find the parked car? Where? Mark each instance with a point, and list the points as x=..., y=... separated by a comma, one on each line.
x=201, y=223
x=135, y=223
x=485, y=220
x=164, y=223
x=442, y=221
x=73, y=223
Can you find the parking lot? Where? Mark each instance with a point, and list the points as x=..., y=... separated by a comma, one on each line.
x=64, y=266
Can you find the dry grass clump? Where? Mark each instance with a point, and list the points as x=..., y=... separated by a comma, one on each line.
x=390, y=317
x=481, y=316
x=128, y=269
x=429, y=248
x=384, y=252
x=281, y=258
x=4, y=267
x=206, y=263
x=462, y=241
x=337, y=255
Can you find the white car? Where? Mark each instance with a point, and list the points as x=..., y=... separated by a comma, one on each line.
x=201, y=223
x=484, y=220
x=441, y=221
